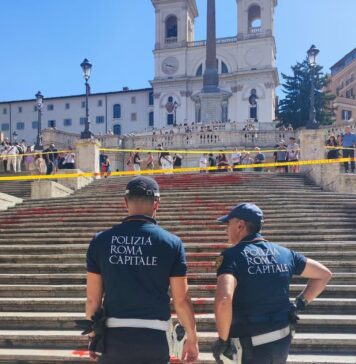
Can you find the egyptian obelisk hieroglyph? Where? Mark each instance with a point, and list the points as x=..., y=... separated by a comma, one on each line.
x=211, y=102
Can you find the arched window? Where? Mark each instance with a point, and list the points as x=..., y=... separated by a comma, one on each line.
x=151, y=98
x=224, y=68
x=117, y=111
x=254, y=19
x=171, y=29
x=117, y=129
x=253, y=99
x=199, y=71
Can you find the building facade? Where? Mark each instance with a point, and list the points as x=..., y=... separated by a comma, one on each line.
x=343, y=85
x=246, y=64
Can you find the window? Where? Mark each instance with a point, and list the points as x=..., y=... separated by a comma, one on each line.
x=100, y=103
x=117, y=111
x=83, y=104
x=50, y=107
x=171, y=29
x=151, y=100
x=224, y=68
x=133, y=116
x=254, y=19
x=82, y=121
x=350, y=93
x=67, y=106
x=5, y=127
x=34, y=124
x=117, y=129
x=4, y=110
x=133, y=100
x=170, y=119
x=67, y=122
x=346, y=115
x=19, y=109
x=151, y=119
x=100, y=119
x=20, y=125
x=51, y=123
x=199, y=71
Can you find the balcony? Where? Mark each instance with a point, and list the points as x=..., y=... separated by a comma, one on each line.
x=202, y=43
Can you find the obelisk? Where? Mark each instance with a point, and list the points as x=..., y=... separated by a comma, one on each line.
x=211, y=102
x=211, y=77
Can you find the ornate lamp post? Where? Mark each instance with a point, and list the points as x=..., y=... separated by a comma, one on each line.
x=175, y=105
x=312, y=54
x=86, y=67
x=39, y=105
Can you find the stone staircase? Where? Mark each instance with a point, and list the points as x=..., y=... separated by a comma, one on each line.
x=43, y=245
x=21, y=189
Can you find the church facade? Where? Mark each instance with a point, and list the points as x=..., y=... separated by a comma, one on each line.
x=246, y=63
x=247, y=74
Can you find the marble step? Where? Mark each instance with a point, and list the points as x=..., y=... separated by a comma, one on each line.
x=193, y=266
x=337, y=306
x=193, y=278
x=309, y=342
x=77, y=290
x=205, y=322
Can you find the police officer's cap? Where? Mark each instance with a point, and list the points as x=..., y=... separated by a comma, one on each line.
x=142, y=186
x=244, y=211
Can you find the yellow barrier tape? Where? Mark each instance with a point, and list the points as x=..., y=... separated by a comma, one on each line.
x=175, y=171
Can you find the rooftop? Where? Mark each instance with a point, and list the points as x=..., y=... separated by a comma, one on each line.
x=343, y=63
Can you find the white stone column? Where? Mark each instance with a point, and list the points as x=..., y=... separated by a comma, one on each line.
x=87, y=156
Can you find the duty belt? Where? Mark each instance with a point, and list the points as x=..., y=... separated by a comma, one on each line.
x=270, y=337
x=113, y=322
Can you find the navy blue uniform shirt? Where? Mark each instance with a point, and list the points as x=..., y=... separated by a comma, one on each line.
x=263, y=271
x=136, y=259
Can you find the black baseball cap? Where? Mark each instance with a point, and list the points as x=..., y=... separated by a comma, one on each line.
x=142, y=186
x=244, y=211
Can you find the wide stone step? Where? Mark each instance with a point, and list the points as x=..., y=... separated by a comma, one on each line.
x=198, y=257
x=205, y=322
x=193, y=278
x=313, y=343
x=198, y=291
x=193, y=266
x=201, y=305
x=34, y=356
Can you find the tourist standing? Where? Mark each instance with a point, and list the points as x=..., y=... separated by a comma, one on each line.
x=259, y=159
x=349, y=143
x=177, y=161
x=236, y=159
x=203, y=163
x=137, y=161
x=333, y=151
x=293, y=154
x=150, y=161
x=281, y=156
x=69, y=159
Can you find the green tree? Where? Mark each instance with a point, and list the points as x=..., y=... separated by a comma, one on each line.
x=295, y=107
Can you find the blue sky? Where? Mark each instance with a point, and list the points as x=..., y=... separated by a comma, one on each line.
x=43, y=42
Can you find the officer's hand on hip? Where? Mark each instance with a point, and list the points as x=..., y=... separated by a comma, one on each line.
x=223, y=347
x=190, y=351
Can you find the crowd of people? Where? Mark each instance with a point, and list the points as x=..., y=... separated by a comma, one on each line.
x=342, y=145
x=19, y=157
x=220, y=162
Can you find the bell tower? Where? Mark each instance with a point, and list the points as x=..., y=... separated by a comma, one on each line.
x=174, y=22
x=255, y=17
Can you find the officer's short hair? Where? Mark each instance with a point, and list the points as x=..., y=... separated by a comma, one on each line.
x=253, y=227
x=142, y=188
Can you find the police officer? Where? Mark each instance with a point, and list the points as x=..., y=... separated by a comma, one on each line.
x=252, y=308
x=132, y=266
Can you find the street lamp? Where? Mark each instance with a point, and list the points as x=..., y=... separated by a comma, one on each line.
x=86, y=67
x=39, y=106
x=175, y=105
x=312, y=54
